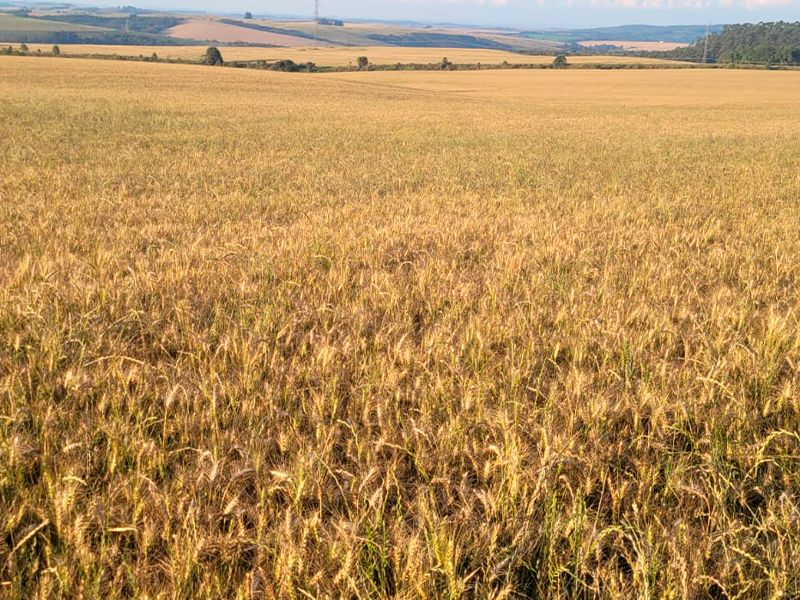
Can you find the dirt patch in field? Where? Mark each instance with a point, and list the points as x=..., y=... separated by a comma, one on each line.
x=205, y=29
x=648, y=46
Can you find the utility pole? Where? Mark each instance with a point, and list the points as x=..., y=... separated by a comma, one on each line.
x=705, y=46
x=316, y=20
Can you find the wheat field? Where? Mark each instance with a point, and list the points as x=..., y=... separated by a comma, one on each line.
x=501, y=334
x=326, y=56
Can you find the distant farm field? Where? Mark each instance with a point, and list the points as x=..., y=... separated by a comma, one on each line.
x=211, y=29
x=340, y=56
x=372, y=34
x=487, y=334
x=628, y=45
x=13, y=24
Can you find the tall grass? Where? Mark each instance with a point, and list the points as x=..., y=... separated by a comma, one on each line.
x=413, y=335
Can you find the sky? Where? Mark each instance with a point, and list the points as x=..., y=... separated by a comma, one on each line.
x=517, y=13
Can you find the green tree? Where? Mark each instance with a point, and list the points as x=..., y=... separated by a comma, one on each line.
x=23, y=47
x=560, y=62
x=745, y=43
x=363, y=63
x=56, y=51
x=213, y=56
x=248, y=15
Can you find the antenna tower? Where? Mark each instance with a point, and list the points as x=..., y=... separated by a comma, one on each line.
x=705, y=46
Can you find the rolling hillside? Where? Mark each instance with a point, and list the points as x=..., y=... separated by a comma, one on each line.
x=75, y=26
x=82, y=28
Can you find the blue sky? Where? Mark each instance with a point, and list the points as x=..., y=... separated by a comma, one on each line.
x=519, y=13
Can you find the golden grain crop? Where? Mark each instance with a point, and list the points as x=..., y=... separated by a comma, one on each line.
x=415, y=335
x=338, y=56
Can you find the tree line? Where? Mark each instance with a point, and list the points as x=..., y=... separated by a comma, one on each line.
x=763, y=43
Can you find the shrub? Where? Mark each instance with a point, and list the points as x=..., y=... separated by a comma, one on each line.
x=284, y=65
x=56, y=51
x=446, y=64
x=213, y=56
x=363, y=63
x=290, y=66
x=560, y=62
x=23, y=47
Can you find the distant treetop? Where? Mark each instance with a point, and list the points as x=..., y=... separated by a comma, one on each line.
x=213, y=56
x=777, y=43
x=332, y=22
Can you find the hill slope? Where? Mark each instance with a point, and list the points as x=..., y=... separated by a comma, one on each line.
x=78, y=28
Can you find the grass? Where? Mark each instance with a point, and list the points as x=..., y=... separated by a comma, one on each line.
x=13, y=24
x=494, y=334
x=339, y=57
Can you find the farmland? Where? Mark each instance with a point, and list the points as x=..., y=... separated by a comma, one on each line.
x=76, y=26
x=628, y=45
x=14, y=24
x=342, y=56
x=485, y=334
x=211, y=29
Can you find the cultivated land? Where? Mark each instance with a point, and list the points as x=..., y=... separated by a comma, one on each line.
x=358, y=34
x=415, y=335
x=628, y=45
x=14, y=24
x=49, y=26
x=342, y=57
x=209, y=29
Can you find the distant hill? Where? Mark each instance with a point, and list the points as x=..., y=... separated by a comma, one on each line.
x=74, y=28
x=131, y=26
x=19, y=24
x=681, y=34
x=269, y=28
x=439, y=40
x=130, y=23
x=761, y=43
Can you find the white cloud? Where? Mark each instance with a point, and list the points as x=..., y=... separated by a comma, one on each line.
x=755, y=4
